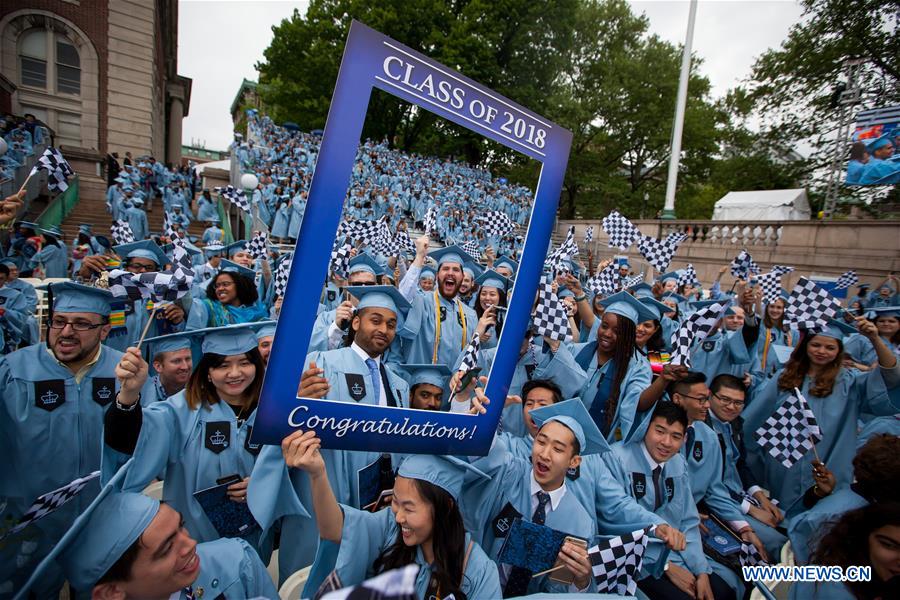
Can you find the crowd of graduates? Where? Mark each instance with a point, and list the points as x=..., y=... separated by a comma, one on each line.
x=601, y=435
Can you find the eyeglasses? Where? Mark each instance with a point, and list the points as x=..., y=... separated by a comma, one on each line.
x=730, y=402
x=60, y=323
x=700, y=399
x=139, y=266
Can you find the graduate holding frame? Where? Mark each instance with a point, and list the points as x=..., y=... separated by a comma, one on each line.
x=837, y=397
x=423, y=526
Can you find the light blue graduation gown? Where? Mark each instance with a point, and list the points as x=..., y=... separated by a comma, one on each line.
x=206, y=209
x=50, y=434
x=54, y=260
x=344, y=369
x=14, y=320
x=806, y=528
x=189, y=449
x=458, y=324
x=889, y=424
x=854, y=393
x=366, y=535
x=719, y=353
x=231, y=568
x=282, y=221
x=137, y=219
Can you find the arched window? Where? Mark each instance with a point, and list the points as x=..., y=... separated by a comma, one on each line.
x=49, y=61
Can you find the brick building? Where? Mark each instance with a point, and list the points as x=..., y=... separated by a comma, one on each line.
x=102, y=74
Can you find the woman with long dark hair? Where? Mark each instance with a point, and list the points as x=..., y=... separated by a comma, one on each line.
x=836, y=395
x=773, y=332
x=491, y=297
x=609, y=372
x=424, y=526
x=231, y=299
x=198, y=438
x=865, y=537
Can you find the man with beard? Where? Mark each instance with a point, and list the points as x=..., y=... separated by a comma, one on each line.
x=51, y=423
x=440, y=325
x=172, y=362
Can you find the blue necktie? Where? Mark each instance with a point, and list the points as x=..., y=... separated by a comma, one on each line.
x=376, y=378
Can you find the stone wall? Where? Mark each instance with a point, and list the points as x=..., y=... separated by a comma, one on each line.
x=871, y=248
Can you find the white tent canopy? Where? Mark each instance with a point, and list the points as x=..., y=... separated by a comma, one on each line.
x=764, y=205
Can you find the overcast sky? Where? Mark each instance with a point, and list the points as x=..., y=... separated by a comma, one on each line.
x=220, y=41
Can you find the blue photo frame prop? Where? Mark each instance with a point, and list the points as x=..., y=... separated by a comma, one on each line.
x=373, y=60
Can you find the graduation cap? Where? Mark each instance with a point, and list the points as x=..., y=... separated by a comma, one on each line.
x=264, y=329
x=782, y=354
x=363, y=263
x=213, y=248
x=71, y=297
x=666, y=276
x=53, y=231
x=449, y=254
x=491, y=278
x=836, y=329
x=172, y=341
x=505, y=261
x=227, y=266
x=658, y=308
x=138, y=201
x=447, y=472
x=226, y=340
x=642, y=290
x=436, y=375
x=28, y=225
x=380, y=296
x=701, y=304
x=622, y=261
x=427, y=273
x=85, y=228
x=886, y=311
x=626, y=305
x=473, y=269
x=238, y=246
x=575, y=416
x=879, y=143
x=146, y=249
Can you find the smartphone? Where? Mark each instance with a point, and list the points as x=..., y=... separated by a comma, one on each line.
x=564, y=575
x=467, y=378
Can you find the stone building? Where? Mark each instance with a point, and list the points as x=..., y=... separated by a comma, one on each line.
x=102, y=74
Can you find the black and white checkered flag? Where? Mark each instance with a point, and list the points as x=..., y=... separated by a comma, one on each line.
x=550, y=318
x=473, y=249
x=689, y=277
x=770, y=284
x=782, y=269
x=567, y=249
x=846, y=280
x=495, y=222
x=403, y=242
x=809, y=306
x=430, y=220
x=340, y=260
x=605, y=282
x=630, y=282
x=235, y=196
x=589, y=235
x=124, y=284
x=281, y=277
x=57, y=167
x=168, y=228
x=121, y=232
x=259, y=245
x=750, y=556
x=791, y=431
x=695, y=329
x=742, y=266
x=659, y=253
x=173, y=283
x=397, y=584
x=49, y=502
x=616, y=563
x=470, y=354
x=622, y=233
x=360, y=230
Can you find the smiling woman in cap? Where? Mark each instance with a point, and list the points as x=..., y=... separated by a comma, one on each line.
x=231, y=298
x=837, y=397
x=198, y=436
x=491, y=295
x=424, y=525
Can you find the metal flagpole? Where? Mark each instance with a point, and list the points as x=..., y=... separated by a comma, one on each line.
x=675, y=154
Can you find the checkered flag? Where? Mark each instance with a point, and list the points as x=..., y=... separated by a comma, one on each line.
x=368, y=232
x=495, y=223
x=550, y=318
x=473, y=249
x=49, y=502
x=58, y=169
x=659, y=253
x=846, y=280
x=259, y=245
x=695, y=329
x=791, y=431
x=616, y=562
x=782, y=269
x=567, y=249
x=689, y=277
x=340, y=260
x=123, y=284
x=168, y=228
x=770, y=283
x=742, y=265
x=750, y=556
x=605, y=282
x=470, y=355
x=622, y=233
x=403, y=242
x=430, y=220
x=397, y=584
x=281, y=277
x=235, y=196
x=121, y=232
x=173, y=283
x=589, y=235
x=630, y=282
x=809, y=306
